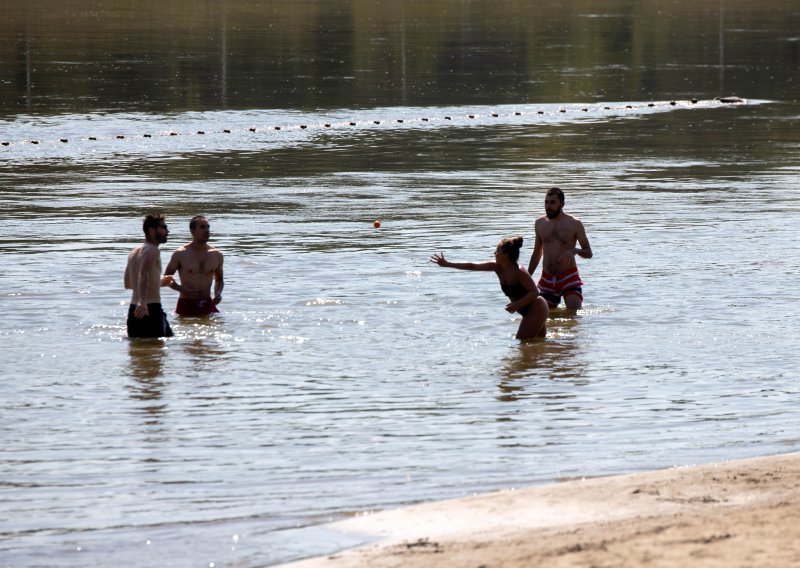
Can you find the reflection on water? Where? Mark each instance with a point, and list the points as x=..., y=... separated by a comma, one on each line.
x=199, y=340
x=147, y=360
x=532, y=363
x=204, y=343
x=146, y=368
x=201, y=352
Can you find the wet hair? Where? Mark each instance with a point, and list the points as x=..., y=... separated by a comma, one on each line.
x=153, y=220
x=557, y=192
x=194, y=221
x=511, y=246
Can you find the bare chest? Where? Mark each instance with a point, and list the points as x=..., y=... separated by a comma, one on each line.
x=558, y=234
x=202, y=263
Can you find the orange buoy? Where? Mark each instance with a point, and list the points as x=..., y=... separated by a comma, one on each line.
x=376, y=223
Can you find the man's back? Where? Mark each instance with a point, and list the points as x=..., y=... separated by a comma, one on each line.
x=146, y=256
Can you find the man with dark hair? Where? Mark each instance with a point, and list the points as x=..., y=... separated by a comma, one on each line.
x=143, y=276
x=198, y=264
x=556, y=236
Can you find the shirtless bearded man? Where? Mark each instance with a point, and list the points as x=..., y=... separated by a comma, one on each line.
x=556, y=236
x=146, y=318
x=197, y=264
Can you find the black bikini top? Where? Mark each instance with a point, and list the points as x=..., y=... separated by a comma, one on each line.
x=514, y=291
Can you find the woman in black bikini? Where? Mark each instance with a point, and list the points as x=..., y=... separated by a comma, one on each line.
x=515, y=282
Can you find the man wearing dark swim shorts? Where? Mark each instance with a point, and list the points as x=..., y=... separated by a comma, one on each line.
x=557, y=235
x=146, y=318
x=198, y=265
x=154, y=324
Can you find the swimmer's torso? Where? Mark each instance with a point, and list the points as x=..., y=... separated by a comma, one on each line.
x=557, y=237
x=196, y=269
x=514, y=291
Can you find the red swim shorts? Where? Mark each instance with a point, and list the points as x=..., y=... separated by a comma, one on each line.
x=191, y=308
x=554, y=287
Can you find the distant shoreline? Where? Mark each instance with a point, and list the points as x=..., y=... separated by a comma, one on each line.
x=735, y=513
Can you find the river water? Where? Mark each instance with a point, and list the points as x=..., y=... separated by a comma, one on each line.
x=346, y=373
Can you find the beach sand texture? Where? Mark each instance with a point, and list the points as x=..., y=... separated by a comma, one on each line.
x=738, y=513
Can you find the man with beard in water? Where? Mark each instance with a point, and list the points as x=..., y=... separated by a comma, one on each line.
x=146, y=318
x=198, y=264
x=556, y=236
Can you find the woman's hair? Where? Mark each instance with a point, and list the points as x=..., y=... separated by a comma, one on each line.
x=511, y=246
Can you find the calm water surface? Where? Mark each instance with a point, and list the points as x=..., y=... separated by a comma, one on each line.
x=346, y=373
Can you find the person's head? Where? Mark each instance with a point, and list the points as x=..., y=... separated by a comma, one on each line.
x=553, y=202
x=510, y=247
x=155, y=228
x=200, y=229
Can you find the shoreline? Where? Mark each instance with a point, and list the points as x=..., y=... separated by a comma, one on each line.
x=733, y=513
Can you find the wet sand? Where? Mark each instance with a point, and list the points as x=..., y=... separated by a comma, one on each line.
x=737, y=513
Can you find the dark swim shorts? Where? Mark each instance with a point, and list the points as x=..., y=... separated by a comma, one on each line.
x=192, y=308
x=152, y=325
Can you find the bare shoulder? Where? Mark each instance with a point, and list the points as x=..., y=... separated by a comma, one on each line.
x=573, y=221
x=148, y=249
x=148, y=254
x=215, y=254
x=181, y=250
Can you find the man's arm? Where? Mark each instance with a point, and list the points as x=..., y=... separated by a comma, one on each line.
x=169, y=274
x=585, y=251
x=537, y=253
x=219, y=282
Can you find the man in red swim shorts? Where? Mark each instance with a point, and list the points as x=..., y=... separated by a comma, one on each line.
x=557, y=233
x=198, y=264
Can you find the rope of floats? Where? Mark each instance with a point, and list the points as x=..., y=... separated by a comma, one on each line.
x=352, y=123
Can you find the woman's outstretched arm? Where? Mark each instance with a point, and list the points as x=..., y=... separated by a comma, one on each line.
x=484, y=266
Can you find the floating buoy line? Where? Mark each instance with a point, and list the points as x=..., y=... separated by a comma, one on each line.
x=442, y=119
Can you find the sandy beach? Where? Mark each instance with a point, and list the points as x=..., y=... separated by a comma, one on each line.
x=736, y=513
